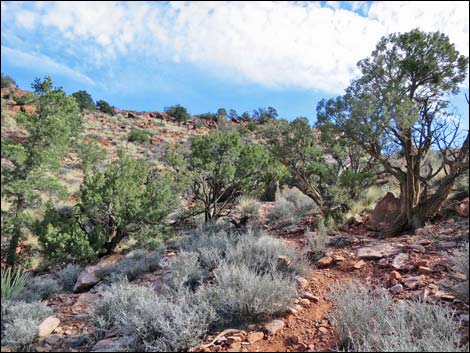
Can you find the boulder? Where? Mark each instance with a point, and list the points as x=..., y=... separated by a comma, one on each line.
x=255, y=337
x=47, y=326
x=90, y=275
x=385, y=212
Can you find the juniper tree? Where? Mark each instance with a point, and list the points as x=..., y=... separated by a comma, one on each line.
x=33, y=160
x=398, y=107
x=222, y=166
x=127, y=198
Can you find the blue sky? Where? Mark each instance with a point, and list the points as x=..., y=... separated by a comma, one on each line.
x=240, y=55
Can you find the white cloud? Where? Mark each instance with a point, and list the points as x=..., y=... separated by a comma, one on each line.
x=44, y=63
x=276, y=44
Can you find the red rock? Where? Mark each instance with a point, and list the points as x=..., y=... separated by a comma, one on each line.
x=396, y=275
x=423, y=242
x=462, y=208
x=396, y=289
x=301, y=282
x=274, y=327
x=338, y=258
x=360, y=264
x=385, y=212
x=310, y=297
x=294, y=339
x=400, y=261
x=418, y=248
x=422, y=262
x=323, y=330
x=255, y=337
x=424, y=270
x=88, y=278
x=383, y=263
x=414, y=281
x=325, y=261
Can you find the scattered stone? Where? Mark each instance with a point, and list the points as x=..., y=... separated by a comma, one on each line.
x=255, y=337
x=382, y=263
x=84, y=302
x=233, y=339
x=444, y=296
x=424, y=270
x=338, y=258
x=395, y=275
x=357, y=219
x=311, y=297
x=396, y=289
x=301, y=282
x=323, y=330
x=414, y=281
x=273, y=327
x=115, y=344
x=53, y=340
x=378, y=251
x=422, y=262
x=447, y=244
x=294, y=339
x=400, y=261
x=304, y=301
x=47, y=326
x=424, y=294
x=423, y=242
x=325, y=261
x=418, y=248
x=251, y=327
x=462, y=208
x=360, y=264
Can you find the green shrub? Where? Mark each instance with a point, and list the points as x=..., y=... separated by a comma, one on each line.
x=7, y=81
x=140, y=136
x=104, y=107
x=368, y=321
x=20, y=323
x=68, y=276
x=178, y=112
x=126, y=199
x=84, y=100
x=25, y=99
x=13, y=282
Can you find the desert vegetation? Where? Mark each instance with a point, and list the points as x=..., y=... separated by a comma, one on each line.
x=163, y=231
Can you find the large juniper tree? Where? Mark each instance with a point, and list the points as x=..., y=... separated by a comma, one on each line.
x=399, y=108
x=30, y=162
